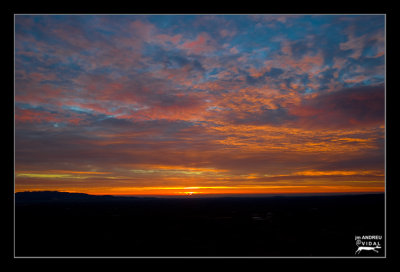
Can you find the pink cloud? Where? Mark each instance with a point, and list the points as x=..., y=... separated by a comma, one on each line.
x=234, y=50
x=142, y=29
x=227, y=33
x=165, y=39
x=202, y=44
x=357, y=43
x=39, y=116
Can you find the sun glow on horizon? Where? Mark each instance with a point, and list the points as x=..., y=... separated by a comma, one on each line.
x=220, y=190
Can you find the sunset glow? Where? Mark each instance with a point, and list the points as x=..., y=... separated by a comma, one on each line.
x=193, y=105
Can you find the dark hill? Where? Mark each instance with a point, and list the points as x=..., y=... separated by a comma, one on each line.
x=50, y=196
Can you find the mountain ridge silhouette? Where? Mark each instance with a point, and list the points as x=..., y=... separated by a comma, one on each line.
x=47, y=196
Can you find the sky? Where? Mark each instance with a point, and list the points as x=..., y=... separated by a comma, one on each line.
x=199, y=104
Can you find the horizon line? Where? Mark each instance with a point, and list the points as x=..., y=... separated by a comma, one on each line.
x=216, y=195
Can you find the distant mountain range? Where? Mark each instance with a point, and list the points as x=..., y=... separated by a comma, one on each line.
x=48, y=196
x=56, y=196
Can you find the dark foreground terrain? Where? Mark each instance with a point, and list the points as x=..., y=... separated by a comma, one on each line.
x=62, y=224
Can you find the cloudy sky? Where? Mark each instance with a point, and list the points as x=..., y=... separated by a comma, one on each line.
x=182, y=104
